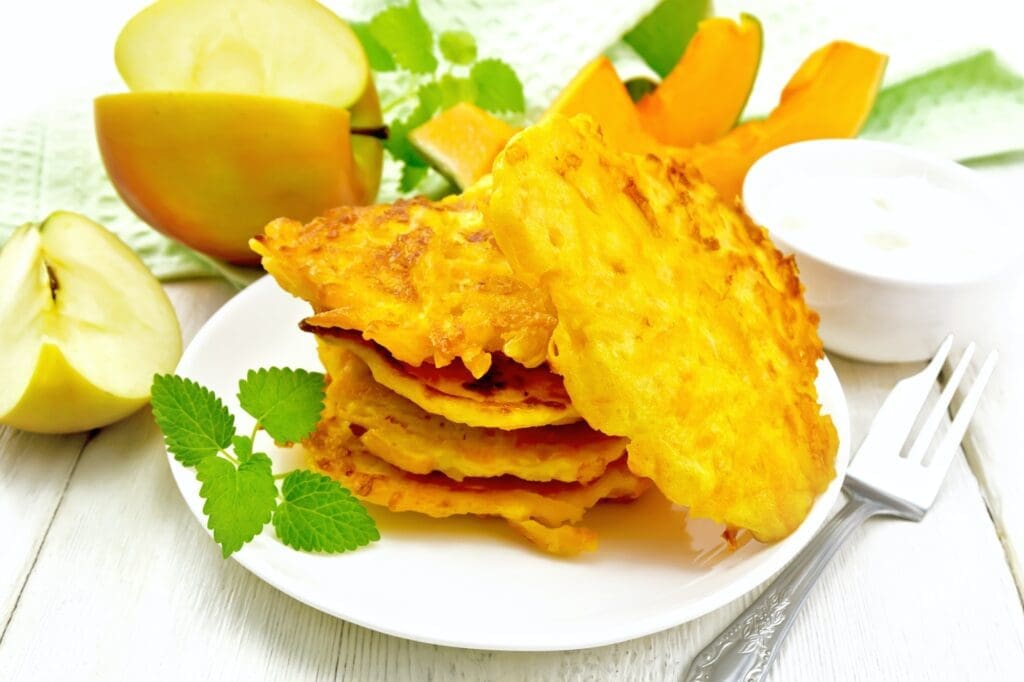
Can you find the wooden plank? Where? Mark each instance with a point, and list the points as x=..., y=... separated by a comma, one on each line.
x=34, y=472
x=995, y=443
x=126, y=562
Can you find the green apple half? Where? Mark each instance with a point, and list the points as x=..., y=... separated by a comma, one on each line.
x=83, y=327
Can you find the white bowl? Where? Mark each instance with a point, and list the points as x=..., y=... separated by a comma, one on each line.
x=868, y=312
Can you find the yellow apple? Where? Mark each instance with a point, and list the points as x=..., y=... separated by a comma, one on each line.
x=83, y=327
x=211, y=169
x=297, y=49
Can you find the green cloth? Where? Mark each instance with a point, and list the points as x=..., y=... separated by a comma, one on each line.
x=969, y=109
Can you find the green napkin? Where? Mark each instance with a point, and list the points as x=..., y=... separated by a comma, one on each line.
x=969, y=109
x=964, y=108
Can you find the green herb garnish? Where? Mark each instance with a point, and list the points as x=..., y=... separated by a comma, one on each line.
x=399, y=39
x=310, y=512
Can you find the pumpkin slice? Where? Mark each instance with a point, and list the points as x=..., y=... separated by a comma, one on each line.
x=829, y=96
x=598, y=92
x=461, y=143
x=703, y=96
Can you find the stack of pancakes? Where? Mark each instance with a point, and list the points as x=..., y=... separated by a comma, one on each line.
x=439, y=399
x=454, y=333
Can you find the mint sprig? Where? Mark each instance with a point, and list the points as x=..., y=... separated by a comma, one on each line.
x=399, y=39
x=310, y=511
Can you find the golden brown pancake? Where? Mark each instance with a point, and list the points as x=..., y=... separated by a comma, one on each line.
x=679, y=324
x=334, y=450
x=508, y=396
x=404, y=435
x=423, y=279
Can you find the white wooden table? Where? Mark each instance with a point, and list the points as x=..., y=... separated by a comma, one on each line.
x=105, y=574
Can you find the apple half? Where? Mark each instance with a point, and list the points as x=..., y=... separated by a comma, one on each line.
x=83, y=325
x=297, y=49
x=211, y=169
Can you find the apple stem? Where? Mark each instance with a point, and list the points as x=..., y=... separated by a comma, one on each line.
x=54, y=284
x=379, y=132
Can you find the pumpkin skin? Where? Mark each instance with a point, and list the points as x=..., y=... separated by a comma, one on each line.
x=830, y=96
x=702, y=98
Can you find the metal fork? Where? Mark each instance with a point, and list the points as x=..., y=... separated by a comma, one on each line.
x=879, y=481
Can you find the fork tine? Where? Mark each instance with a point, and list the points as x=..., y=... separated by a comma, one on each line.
x=930, y=373
x=895, y=418
x=944, y=454
x=931, y=425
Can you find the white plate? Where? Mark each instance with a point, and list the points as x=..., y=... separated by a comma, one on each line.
x=472, y=582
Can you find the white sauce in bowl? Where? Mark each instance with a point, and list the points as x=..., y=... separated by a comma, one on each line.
x=897, y=222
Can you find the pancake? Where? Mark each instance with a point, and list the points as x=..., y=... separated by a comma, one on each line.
x=405, y=436
x=508, y=396
x=423, y=279
x=680, y=326
x=335, y=451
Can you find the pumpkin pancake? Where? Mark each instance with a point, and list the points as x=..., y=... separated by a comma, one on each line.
x=509, y=396
x=404, y=435
x=679, y=324
x=334, y=450
x=423, y=279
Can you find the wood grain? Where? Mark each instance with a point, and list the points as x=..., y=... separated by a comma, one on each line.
x=995, y=443
x=34, y=472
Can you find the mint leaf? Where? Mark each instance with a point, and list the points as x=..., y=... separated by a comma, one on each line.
x=412, y=176
x=458, y=47
x=403, y=32
x=497, y=86
x=454, y=90
x=662, y=36
x=196, y=424
x=415, y=167
x=376, y=54
x=242, y=445
x=239, y=501
x=286, y=402
x=318, y=515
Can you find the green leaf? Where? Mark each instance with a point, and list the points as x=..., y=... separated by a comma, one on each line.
x=412, y=176
x=376, y=54
x=662, y=36
x=639, y=86
x=397, y=144
x=403, y=32
x=458, y=47
x=196, y=424
x=497, y=86
x=239, y=501
x=454, y=90
x=286, y=402
x=318, y=515
x=242, y=445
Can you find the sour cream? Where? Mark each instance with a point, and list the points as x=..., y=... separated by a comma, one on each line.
x=897, y=226
x=896, y=248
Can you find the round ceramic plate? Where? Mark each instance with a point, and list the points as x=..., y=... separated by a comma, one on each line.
x=471, y=582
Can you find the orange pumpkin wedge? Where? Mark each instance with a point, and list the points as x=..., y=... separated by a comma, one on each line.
x=598, y=92
x=462, y=142
x=703, y=96
x=829, y=96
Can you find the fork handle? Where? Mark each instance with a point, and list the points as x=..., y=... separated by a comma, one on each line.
x=745, y=650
